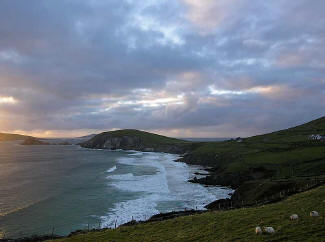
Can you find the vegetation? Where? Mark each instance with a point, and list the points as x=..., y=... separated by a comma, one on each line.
x=283, y=154
x=146, y=137
x=231, y=225
x=263, y=169
x=131, y=139
x=286, y=159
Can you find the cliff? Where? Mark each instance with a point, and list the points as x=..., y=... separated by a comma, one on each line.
x=130, y=139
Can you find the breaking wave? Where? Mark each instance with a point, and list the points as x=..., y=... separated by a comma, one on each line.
x=165, y=190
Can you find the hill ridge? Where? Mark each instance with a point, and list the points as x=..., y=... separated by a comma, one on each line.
x=133, y=139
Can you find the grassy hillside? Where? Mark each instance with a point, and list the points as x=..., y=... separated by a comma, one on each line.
x=11, y=137
x=146, y=137
x=279, y=155
x=296, y=134
x=232, y=225
x=131, y=139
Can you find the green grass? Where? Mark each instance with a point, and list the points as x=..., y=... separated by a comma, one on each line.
x=232, y=225
x=286, y=159
x=295, y=134
x=287, y=152
x=293, y=157
x=147, y=139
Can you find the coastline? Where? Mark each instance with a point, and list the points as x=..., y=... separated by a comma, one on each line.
x=192, y=169
x=241, y=185
x=200, y=174
x=185, y=194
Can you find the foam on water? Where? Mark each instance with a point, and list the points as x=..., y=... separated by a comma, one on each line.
x=169, y=185
x=111, y=169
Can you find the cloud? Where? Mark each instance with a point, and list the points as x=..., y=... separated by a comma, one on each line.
x=184, y=68
x=210, y=15
x=7, y=100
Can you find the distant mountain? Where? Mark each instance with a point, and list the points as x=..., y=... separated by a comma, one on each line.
x=12, y=137
x=131, y=139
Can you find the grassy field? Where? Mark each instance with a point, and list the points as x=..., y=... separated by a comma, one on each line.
x=285, y=153
x=232, y=225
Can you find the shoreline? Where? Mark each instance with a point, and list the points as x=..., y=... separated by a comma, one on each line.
x=182, y=171
x=219, y=204
x=199, y=203
x=202, y=180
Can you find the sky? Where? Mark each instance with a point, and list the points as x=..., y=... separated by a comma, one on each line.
x=182, y=68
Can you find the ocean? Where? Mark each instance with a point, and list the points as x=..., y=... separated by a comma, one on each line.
x=64, y=188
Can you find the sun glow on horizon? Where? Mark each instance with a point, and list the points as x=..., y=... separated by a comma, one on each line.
x=9, y=100
x=55, y=133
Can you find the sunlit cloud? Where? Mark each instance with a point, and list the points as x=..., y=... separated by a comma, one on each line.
x=57, y=133
x=246, y=61
x=7, y=100
x=156, y=102
x=254, y=90
x=184, y=66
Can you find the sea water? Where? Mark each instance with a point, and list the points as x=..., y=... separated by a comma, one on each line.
x=64, y=188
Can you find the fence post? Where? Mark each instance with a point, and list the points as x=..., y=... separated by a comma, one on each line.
x=52, y=234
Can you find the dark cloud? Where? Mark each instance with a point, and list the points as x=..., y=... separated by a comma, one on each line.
x=185, y=68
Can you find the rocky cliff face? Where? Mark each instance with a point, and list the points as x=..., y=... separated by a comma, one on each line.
x=130, y=143
x=113, y=143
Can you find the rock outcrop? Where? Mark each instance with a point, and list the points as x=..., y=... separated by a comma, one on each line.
x=135, y=140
